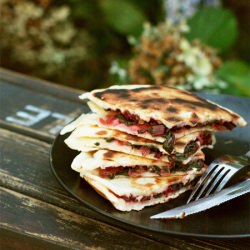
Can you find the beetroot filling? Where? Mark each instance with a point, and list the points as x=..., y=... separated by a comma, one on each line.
x=138, y=170
x=204, y=139
x=154, y=127
x=112, y=172
x=168, y=191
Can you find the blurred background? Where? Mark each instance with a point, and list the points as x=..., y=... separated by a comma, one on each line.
x=193, y=45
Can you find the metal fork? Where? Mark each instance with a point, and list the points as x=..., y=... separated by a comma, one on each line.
x=222, y=171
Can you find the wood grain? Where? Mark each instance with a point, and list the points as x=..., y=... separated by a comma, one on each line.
x=36, y=212
x=15, y=240
x=27, y=172
x=39, y=85
x=29, y=132
x=48, y=222
x=53, y=112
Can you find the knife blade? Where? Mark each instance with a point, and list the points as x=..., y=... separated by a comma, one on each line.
x=207, y=202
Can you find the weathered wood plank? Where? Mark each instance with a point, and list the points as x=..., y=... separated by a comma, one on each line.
x=14, y=240
x=35, y=134
x=36, y=111
x=48, y=222
x=39, y=85
x=25, y=169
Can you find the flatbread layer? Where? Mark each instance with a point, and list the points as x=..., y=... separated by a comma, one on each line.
x=128, y=194
x=203, y=138
x=169, y=106
x=111, y=164
x=84, y=144
x=93, y=119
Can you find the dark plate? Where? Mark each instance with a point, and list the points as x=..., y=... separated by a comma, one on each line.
x=230, y=220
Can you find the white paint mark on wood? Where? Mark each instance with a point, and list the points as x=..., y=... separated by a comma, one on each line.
x=29, y=119
x=32, y=115
x=59, y=127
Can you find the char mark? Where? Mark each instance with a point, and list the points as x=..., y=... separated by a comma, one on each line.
x=143, y=89
x=194, y=118
x=153, y=101
x=109, y=154
x=171, y=109
x=173, y=119
x=119, y=93
x=195, y=104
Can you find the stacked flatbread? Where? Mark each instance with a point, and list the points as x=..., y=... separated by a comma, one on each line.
x=141, y=144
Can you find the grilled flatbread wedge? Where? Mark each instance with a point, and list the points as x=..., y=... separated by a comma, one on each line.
x=111, y=164
x=95, y=119
x=128, y=194
x=94, y=137
x=141, y=145
x=155, y=111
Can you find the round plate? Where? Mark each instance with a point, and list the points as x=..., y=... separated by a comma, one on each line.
x=229, y=220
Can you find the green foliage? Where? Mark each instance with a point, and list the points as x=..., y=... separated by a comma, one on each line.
x=216, y=27
x=83, y=38
x=237, y=75
x=123, y=16
x=83, y=9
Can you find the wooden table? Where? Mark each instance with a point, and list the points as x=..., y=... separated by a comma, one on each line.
x=36, y=212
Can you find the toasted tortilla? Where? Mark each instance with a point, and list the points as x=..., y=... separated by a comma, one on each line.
x=93, y=119
x=128, y=194
x=87, y=161
x=95, y=137
x=93, y=131
x=169, y=106
x=105, y=159
x=83, y=143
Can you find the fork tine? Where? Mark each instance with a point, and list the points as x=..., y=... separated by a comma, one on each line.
x=219, y=173
x=223, y=174
x=206, y=175
x=216, y=171
x=225, y=180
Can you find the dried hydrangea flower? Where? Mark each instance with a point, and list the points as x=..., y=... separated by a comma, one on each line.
x=41, y=39
x=164, y=56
